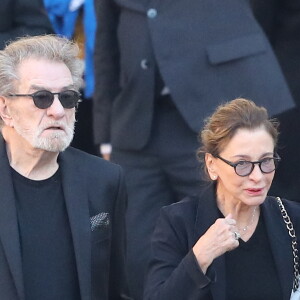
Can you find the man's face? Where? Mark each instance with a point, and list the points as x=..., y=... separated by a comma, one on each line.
x=49, y=129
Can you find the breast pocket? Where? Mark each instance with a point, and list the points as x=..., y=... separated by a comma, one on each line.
x=236, y=49
x=100, y=234
x=100, y=227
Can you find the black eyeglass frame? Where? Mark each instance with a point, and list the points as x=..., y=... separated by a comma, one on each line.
x=277, y=159
x=41, y=105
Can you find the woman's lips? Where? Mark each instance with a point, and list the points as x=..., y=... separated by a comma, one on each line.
x=255, y=191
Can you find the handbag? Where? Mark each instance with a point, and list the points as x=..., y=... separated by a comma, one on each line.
x=295, y=294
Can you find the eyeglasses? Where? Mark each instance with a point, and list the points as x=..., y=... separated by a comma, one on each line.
x=244, y=168
x=44, y=99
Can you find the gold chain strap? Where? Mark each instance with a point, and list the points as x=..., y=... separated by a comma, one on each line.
x=292, y=233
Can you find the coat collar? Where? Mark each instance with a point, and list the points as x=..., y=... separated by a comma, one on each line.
x=76, y=199
x=280, y=242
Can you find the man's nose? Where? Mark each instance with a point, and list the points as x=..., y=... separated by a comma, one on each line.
x=56, y=109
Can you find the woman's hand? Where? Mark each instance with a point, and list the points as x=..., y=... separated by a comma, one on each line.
x=218, y=239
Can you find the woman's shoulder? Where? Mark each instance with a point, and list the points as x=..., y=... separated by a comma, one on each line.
x=292, y=208
x=180, y=215
x=190, y=206
x=273, y=201
x=186, y=206
x=191, y=211
x=178, y=220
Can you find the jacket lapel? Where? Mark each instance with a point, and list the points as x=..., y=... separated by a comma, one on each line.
x=75, y=192
x=9, y=232
x=280, y=242
x=207, y=213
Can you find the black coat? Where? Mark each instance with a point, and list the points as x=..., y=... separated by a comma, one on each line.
x=207, y=52
x=91, y=186
x=174, y=272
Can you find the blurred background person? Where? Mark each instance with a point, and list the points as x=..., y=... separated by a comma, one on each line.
x=283, y=32
x=22, y=17
x=231, y=242
x=161, y=67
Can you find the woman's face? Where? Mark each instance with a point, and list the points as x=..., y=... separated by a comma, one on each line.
x=250, y=145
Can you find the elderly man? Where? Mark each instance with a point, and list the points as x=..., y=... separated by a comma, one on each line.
x=61, y=210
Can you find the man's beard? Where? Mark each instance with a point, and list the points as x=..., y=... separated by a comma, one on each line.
x=56, y=141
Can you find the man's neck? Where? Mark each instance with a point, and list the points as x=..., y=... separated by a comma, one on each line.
x=35, y=164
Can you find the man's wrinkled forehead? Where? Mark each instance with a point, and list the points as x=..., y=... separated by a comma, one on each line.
x=37, y=72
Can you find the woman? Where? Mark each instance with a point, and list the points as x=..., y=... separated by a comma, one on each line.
x=231, y=242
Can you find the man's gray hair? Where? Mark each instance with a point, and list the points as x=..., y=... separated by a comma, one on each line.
x=49, y=47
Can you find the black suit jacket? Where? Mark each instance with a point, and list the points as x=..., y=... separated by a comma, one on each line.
x=207, y=52
x=22, y=17
x=91, y=186
x=174, y=272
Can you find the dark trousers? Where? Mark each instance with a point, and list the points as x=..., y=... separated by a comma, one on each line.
x=162, y=173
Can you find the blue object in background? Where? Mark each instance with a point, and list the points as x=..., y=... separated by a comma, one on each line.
x=63, y=15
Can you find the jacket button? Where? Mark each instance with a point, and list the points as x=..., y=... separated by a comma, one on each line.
x=152, y=13
x=144, y=64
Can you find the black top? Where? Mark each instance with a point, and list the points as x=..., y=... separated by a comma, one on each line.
x=250, y=269
x=49, y=267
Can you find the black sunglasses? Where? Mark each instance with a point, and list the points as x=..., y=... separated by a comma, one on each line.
x=44, y=99
x=244, y=167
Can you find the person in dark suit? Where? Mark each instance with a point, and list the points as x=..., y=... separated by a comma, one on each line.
x=62, y=232
x=161, y=67
x=232, y=241
x=22, y=17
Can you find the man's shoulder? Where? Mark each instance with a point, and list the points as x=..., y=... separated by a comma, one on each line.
x=93, y=163
x=105, y=179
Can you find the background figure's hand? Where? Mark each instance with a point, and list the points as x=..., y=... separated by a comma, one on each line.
x=106, y=156
x=105, y=150
x=218, y=239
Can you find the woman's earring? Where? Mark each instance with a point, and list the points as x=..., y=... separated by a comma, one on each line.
x=214, y=177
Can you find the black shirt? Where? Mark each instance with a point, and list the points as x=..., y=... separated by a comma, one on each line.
x=250, y=269
x=48, y=260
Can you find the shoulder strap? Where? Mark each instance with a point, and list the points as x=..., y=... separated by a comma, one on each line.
x=292, y=233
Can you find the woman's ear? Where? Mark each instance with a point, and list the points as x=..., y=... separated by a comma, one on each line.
x=211, y=167
x=4, y=111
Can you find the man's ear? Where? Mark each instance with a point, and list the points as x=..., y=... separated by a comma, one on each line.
x=4, y=111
